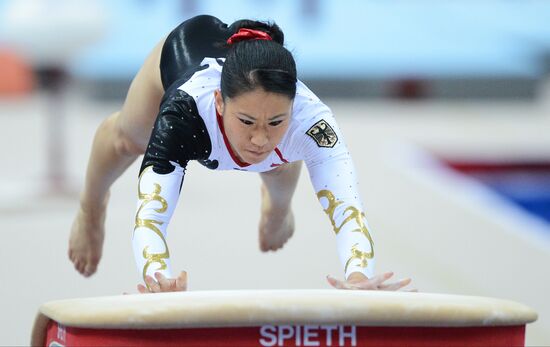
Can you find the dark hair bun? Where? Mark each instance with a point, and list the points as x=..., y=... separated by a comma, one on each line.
x=264, y=64
x=269, y=27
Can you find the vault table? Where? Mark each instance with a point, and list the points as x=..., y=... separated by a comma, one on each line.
x=282, y=318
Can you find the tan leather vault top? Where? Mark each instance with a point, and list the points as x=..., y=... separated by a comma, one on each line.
x=259, y=307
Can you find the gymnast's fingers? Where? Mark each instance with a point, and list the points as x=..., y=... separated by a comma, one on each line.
x=142, y=289
x=395, y=285
x=337, y=283
x=181, y=282
x=370, y=283
x=153, y=286
x=364, y=285
x=377, y=280
x=164, y=283
x=333, y=282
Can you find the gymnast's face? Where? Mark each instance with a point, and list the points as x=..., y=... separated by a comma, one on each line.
x=254, y=122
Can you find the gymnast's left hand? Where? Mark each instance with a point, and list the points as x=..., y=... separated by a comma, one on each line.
x=163, y=284
x=358, y=281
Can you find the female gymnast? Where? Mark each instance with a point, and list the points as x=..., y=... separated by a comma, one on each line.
x=230, y=99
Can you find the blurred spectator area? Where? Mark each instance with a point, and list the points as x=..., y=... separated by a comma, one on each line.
x=353, y=48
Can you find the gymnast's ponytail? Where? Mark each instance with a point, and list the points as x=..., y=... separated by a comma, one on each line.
x=256, y=58
x=270, y=28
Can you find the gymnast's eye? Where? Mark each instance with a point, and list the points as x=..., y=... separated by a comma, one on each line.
x=275, y=123
x=247, y=122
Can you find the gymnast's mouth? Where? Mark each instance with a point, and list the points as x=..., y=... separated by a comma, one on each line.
x=257, y=153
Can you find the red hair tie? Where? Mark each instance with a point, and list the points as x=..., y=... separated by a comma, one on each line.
x=248, y=34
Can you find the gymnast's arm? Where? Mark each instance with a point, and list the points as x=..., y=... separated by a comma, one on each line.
x=332, y=174
x=176, y=137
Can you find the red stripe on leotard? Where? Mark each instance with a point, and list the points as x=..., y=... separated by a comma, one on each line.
x=280, y=155
x=227, y=144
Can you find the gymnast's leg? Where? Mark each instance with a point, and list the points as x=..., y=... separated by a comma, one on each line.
x=118, y=141
x=277, y=220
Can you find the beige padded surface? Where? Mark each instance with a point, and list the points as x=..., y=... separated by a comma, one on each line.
x=258, y=307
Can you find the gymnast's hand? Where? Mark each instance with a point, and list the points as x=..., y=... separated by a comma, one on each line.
x=163, y=284
x=358, y=281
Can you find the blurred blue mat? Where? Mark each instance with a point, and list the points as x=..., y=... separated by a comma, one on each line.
x=526, y=184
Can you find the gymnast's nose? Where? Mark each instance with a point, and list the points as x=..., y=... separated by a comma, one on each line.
x=259, y=138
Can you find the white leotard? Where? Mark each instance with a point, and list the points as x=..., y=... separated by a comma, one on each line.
x=188, y=128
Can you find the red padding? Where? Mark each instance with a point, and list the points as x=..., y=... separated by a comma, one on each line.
x=293, y=336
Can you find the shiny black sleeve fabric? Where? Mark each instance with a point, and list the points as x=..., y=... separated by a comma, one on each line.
x=179, y=134
x=189, y=43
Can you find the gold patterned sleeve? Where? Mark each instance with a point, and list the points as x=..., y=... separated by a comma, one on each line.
x=333, y=177
x=157, y=198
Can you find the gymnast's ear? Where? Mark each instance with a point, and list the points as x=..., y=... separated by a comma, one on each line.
x=219, y=101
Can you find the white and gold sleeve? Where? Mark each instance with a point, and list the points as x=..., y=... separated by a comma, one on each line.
x=157, y=198
x=333, y=177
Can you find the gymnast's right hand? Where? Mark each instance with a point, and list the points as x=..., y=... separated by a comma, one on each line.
x=163, y=284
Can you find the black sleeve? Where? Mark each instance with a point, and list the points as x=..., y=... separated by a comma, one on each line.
x=189, y=43
x=179, y=134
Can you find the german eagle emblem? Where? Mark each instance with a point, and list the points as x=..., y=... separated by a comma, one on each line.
x=323, y=134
